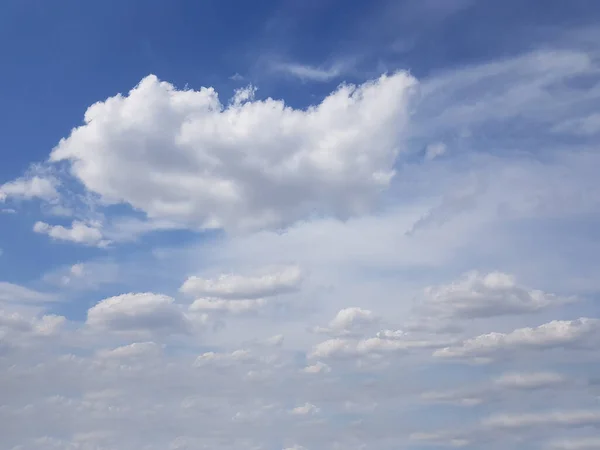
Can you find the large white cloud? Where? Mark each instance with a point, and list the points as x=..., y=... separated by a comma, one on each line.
x=183, y=155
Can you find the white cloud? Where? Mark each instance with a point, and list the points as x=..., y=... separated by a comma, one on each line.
x=555, y=334
x=28, y=188
x=14, y=293
x=432, y=151
x=130, y=351
x=79, y=233
x=338, y=347
x=563, y=419
x=592, y=443
x=584, y=126
x=318, y=367
x=307, y=72
x=228, y=306
x=305, y=410
x=211, y=358
x=236, y=287
x=17, y=329
x=478, y=295
x=349, y=321
x=532, y=380
x=242, y=166
x=138, y=312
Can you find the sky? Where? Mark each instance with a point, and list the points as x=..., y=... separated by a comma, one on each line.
x=299, y=225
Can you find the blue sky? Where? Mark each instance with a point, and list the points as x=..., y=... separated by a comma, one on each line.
x=299, y=224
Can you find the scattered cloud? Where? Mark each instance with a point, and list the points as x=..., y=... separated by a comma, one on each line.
x=236, y=287
x=147, y=312
x=79, y=233
x=433, y=151
x=555, y=334
x=478, y=295
x=312, y=73
x=29, y=188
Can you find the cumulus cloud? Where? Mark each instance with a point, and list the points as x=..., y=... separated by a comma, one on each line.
x=14, y=293
x=349, y=321
x=305, y=410
x=338, y=347
x=317, y=367
x=563, y=419
x=138, y=312
x=500, y=387
x=17, y=329
x=591, y=443
x=531, y=380
x=228, y=306
x=432, y=151
x=79, y=233
x=30, y=187
x=131, y=351
x=555, y=334
x=212, y=358
x=247, y=165
x=236, y=287
x=478, y=295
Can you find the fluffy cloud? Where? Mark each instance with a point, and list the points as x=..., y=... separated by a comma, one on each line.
x=227, y=306
x=305, y=410
x=17, y=329
x=558, y=333
x=235, y=287
x=592, y=443
x=533, y=380
x=486, y=295
x=338, y=347
x=249, y=164
x=130, y=351
x=500, y=388
x=28, y=188
x=79, y=233
x=212, y=358
x=349, y=321
x=563, y=419
x=138, y=312
x=318, y=367
x=13, y=293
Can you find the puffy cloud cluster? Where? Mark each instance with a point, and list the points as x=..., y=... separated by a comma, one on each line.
x=245, y=165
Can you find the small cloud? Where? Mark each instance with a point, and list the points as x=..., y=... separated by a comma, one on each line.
x=305, y=410
x=236, y=77
x=79, y=233
x=307, y=72
x=28, y=188
x=432, y=151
